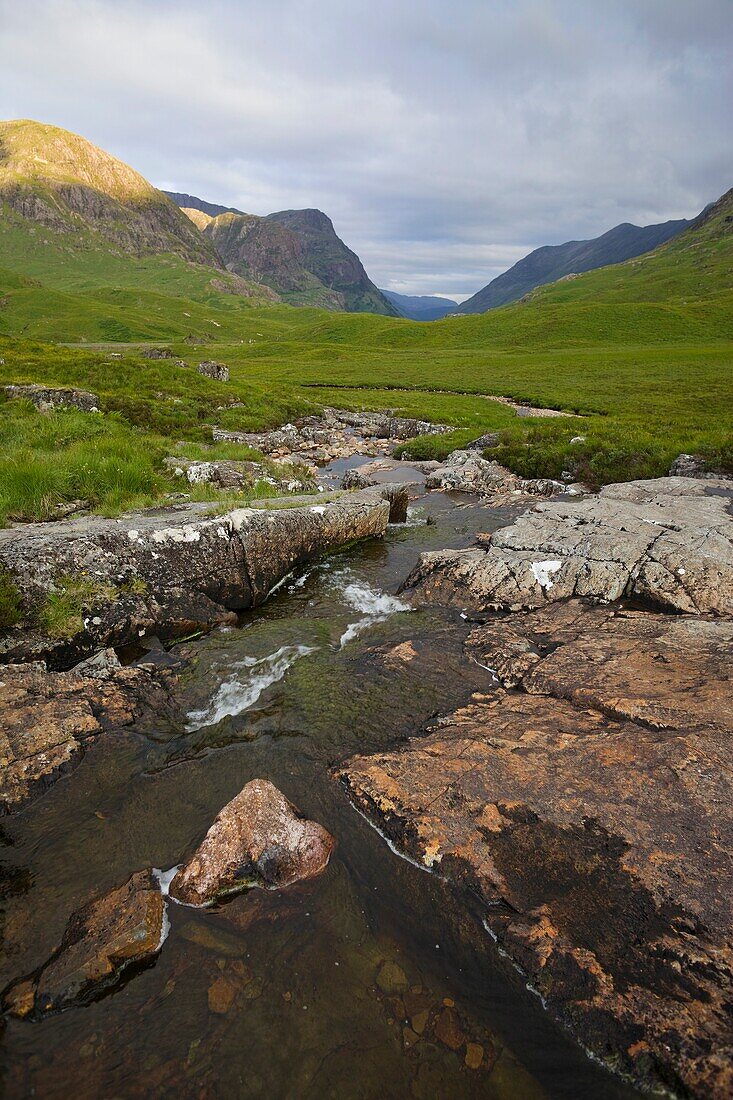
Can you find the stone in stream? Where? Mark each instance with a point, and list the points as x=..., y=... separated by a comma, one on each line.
x=174, y=570
x=111, y=936
x=48, y=718
x=666, y=542
x=592, y=816
x=467, y=472
x=46, y=398
x=258, y=839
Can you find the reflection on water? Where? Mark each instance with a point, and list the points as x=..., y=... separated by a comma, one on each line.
x=374, y=980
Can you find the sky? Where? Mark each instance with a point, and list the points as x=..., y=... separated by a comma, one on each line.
x=445, y=140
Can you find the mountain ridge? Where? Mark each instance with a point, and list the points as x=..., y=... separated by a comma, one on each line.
x=549, y=263
x=421, y=307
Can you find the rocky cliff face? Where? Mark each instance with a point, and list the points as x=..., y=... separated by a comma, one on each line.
x=64, y=182
x=295, y=252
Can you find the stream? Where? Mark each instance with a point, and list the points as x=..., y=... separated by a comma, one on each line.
x=299, y=685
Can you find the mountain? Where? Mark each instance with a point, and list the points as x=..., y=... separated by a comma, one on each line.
x=190, y=202
x=63, y=182
x=421, y=307
x=333, y=264
x=267, y=252
x=553, y=262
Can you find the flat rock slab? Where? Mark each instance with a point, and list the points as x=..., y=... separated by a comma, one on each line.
x=173, y=570
x=593, y=816
x=119, y=932
x=666, y=542
x=258, y=839
x=47, y=718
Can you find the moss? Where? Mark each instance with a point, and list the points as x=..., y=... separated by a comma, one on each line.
x=10, y=605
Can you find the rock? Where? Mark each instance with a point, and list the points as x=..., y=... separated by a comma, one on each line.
x=172, y=571
x=46, y=398
x=666, y=542
x=104, y=940
x=258, y=839
x=211, y=369
x=231, y=474
x=484, y=442
x=391, y=979
x=474, y=1055
x=693, y=466
x=447, y=1029
x=214, y=939
x=398, y=498
x=355, y=479
x=467, y=472
x=221, y=995
x=157, y=353
x=48, y=718
x=592, y=815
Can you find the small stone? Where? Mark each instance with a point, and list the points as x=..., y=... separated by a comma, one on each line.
x=474, y=1055
x=288, y=996
x=221, y=996
x=448, y=1029
x=213, y=939
x=391, y=978
x=419, y=1021
x=253, y=989
x=449, y=1002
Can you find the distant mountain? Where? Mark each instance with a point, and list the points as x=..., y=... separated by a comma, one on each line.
x=421, y=307
x=190, y=202
x=63, y=182
x=553, y=262
x=295, y=252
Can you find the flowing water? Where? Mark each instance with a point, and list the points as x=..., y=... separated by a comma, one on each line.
x=297, y=687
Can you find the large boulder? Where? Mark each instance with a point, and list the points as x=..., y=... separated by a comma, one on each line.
x=211, y=369
x=667, y=542
x=170, y=571
x=47, y=398
x=104, y=942
x=48, y=718
x=258, y=839
x=591, y=817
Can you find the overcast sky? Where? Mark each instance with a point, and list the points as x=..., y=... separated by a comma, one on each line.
x=444, y=139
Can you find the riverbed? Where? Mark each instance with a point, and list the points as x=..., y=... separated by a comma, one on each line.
x=326, y=668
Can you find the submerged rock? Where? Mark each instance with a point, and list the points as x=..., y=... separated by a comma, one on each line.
x=592, y=816
x=48, y=718
x=114, y=934
x=258, y=839
x=46, y=398
x=667, y=542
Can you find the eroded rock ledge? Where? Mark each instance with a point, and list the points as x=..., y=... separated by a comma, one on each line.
x=591, y=814
x=171, y=571
x=667, y=542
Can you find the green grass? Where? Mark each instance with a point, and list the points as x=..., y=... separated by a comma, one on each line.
x=62, y=612
x=10, y=605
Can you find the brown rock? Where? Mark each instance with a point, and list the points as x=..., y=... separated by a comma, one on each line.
x=113, y=934
x=46, y=719
x=474, y=1055
x=447, y=1029
x=391, y=978
x=221, y=995
x=596, y=821
x=258, y=839
x=419, y=1021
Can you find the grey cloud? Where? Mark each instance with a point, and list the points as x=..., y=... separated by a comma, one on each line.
x=444, y=140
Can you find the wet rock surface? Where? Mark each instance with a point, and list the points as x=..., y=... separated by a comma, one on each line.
x=170, y=571
x=47, y=718
x=467, y=472
x=105, y=940
x=258, y=839
x=591, y=814
x=666, y=542
x=46, y=398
